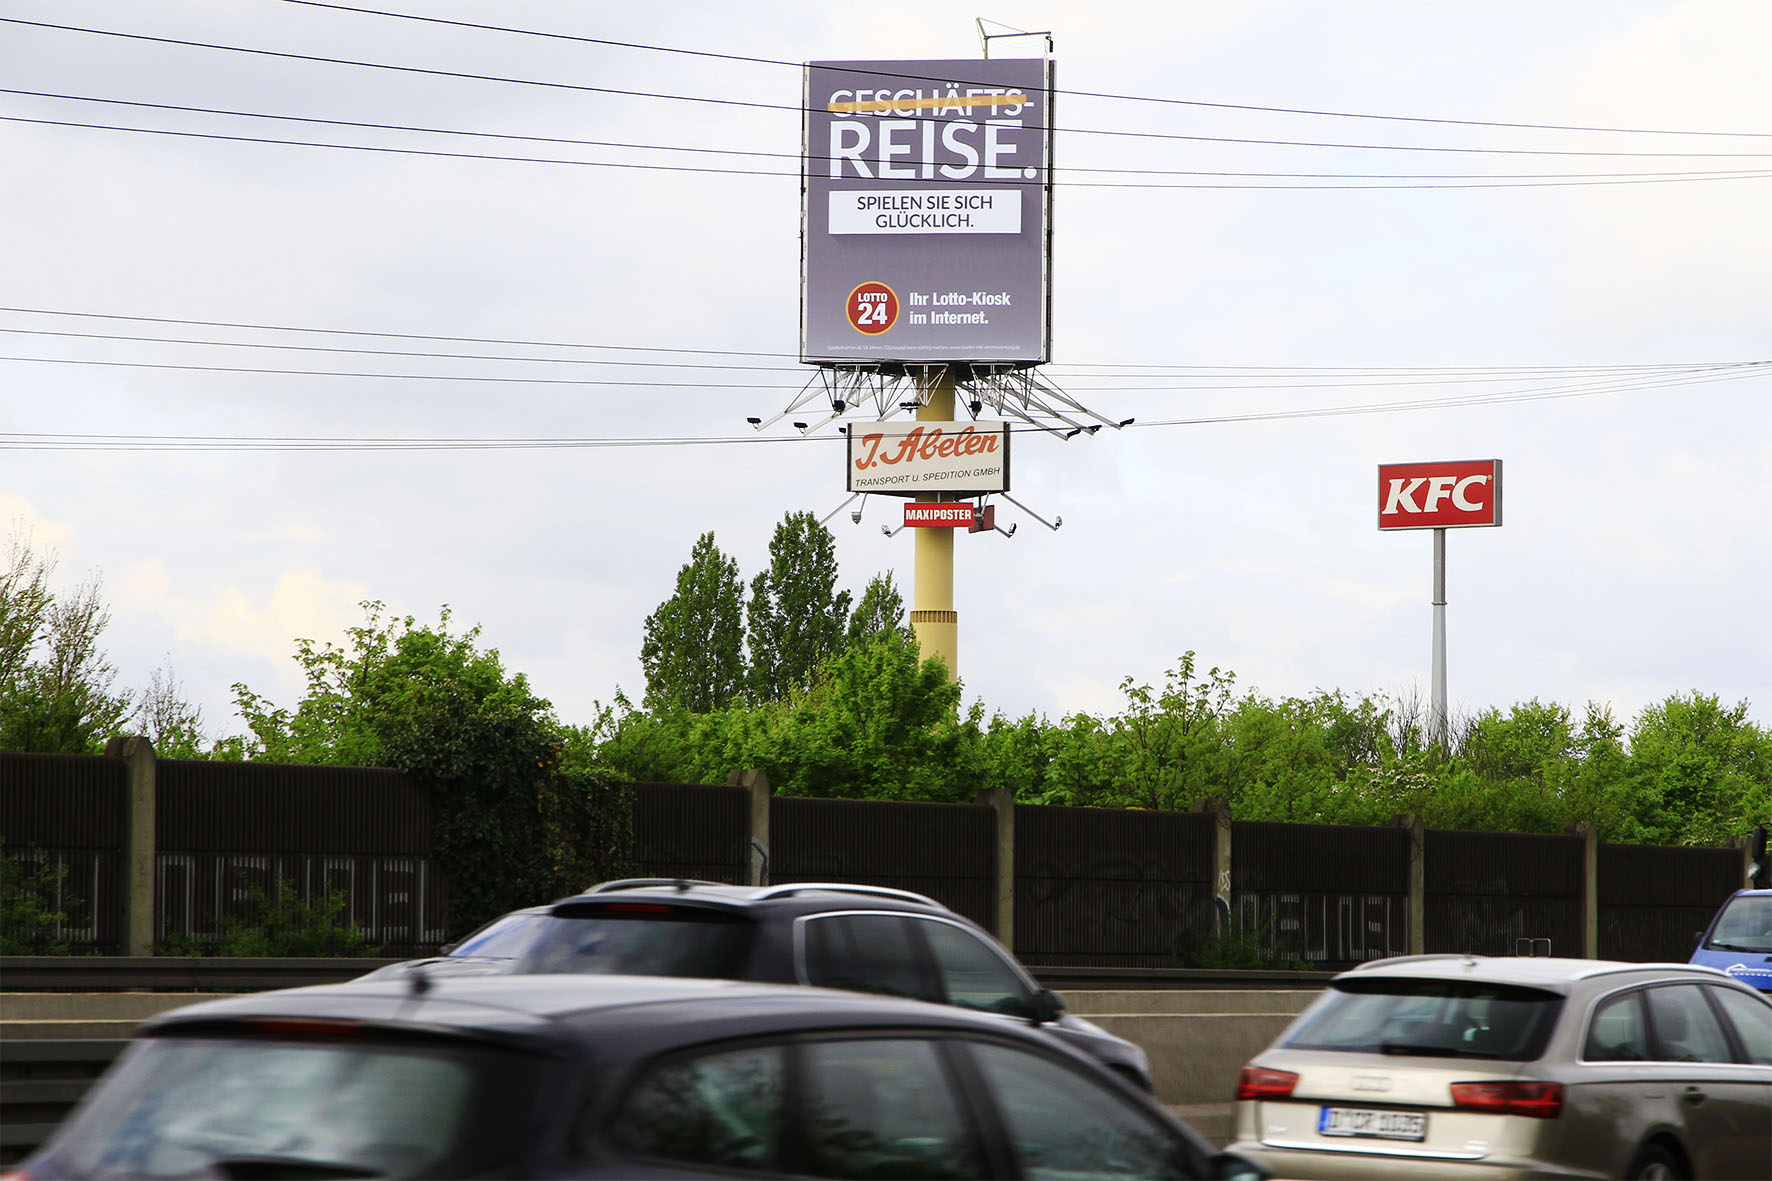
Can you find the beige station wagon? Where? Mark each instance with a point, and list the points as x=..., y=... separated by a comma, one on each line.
x=1467, y=1066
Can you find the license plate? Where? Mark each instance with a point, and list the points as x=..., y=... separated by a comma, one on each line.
x=1379, y=1125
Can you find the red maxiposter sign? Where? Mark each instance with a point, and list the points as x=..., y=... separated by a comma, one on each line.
x=945, y=514
x=1447, y=495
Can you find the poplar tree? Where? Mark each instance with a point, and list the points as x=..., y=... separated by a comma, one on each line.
x=693, y=650
x=796, y=615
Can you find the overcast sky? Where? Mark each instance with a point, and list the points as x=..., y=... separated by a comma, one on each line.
x=1635, y=558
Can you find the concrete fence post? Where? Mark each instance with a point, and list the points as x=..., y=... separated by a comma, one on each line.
x=757, y=783
x=1220, y=809
x=1002, y=801
x=138, y=844
x=1590, y=887
x=1417, y=830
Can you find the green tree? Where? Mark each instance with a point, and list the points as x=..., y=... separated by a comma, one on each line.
x=693, y=648
x=1699, y=772
x=57, y=687
x=171, y=723
x=511, y=827
x=881, y=609
x=796, y=615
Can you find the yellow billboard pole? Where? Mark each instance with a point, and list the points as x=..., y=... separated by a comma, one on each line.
x=933, y=619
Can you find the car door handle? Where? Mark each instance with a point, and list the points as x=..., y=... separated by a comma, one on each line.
x=1693, y=1095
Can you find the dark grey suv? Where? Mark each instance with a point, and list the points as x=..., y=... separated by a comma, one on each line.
x=605, y=1077
x=865, y=938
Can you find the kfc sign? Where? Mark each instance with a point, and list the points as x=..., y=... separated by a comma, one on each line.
x=1439, y=495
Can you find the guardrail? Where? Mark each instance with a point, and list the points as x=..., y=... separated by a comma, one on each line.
x=79, y=973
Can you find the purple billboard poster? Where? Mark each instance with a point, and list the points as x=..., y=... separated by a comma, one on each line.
x=925, y=233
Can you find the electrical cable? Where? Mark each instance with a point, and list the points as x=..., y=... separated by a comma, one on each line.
x=46, y=441
x=798, y=157
x=1628, y=179
x=741, y=103
x=1061, y=92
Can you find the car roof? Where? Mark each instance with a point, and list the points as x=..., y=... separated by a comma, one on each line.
x=1548, y=972
x=800, y=895
x=544, y=1006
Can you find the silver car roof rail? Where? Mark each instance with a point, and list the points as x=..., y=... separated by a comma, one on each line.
x=647, y=883
x=787, y=889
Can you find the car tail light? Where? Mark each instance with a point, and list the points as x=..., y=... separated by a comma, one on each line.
x=1538, y=1100
x=1258, y=1082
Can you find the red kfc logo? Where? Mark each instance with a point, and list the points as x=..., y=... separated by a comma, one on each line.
x=1439, y=495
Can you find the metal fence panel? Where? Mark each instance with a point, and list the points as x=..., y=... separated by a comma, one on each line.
x=284, y=808
x=68, y=814
x=1330, y=895
x=1487, y=889
x=1098, y=886
x=1654, y=898
x=947, y=851
x=692, y=831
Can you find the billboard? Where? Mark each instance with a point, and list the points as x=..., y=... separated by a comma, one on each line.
x=1452, y=494
x=907, y=458
x=925, y=223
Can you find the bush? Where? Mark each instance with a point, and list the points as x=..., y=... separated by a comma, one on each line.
x=282, y=926
x=30, y=924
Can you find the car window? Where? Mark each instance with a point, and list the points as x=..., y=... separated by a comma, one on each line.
x=506, y=938
x=883, y=1107
x=357, y=1106
x=1752, y=1019
x=1685, y=1028
x=1617, y=1033
x=1744, y=925
x=631, y=940
x=1067, y=1126
x=865, y=953
x=1431, y=1018
x=717, y=1109
x=973, y=974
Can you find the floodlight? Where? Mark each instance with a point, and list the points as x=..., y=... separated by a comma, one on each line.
x=839, y=406
x=801, y=427
x=1125, y=422
x=754, y=421
x=856, y=516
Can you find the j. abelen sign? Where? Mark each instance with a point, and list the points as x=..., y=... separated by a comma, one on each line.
x=917, y=458
x=1453, y=494
x=925, y=224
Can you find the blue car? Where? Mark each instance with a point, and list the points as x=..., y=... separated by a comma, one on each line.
x=1739, y=940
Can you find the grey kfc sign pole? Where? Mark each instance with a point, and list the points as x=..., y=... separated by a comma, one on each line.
x=925, y=223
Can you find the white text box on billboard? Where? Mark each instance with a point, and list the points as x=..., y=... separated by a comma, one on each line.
x=913, y=458
x=928, y=211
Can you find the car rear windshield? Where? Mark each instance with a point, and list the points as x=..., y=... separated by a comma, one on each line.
x=350, y=1106
x=1744, y=925
x=1431, y=1018
x=644, y=939
x=505, y=938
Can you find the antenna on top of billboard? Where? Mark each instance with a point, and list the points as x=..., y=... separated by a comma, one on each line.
x=987, y=37
x=926, y=291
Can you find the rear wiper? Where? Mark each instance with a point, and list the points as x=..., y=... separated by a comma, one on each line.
x=286, y=1168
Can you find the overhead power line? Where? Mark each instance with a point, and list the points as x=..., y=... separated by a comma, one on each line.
x=1062, y=92
x=55, y=441
x=1468, y=180
x=753, y=105
x=1121, y=371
